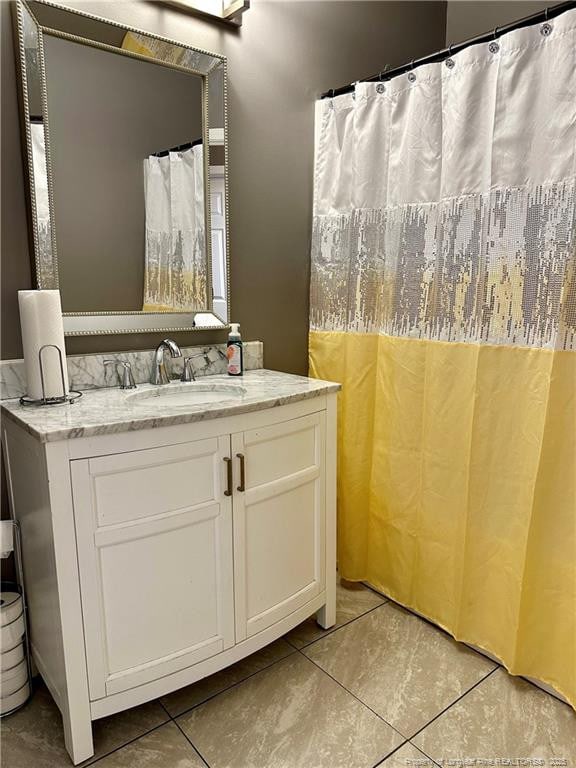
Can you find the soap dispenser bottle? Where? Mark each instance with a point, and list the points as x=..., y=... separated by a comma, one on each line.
x=234, y=351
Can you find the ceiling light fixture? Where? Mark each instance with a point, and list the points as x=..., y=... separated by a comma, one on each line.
x=228, y=11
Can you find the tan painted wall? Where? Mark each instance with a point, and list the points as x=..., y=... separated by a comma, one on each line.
x=469, y=18
x=285, y=55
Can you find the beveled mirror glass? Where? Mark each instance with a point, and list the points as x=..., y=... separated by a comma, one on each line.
x=126, y=137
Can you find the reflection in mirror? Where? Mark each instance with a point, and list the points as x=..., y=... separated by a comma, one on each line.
x=128, y=197
x=175, y=274
x=128, y=173
x=34, y=117
x=41, y=200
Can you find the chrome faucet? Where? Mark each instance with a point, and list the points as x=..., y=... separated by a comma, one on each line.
x=159, y=372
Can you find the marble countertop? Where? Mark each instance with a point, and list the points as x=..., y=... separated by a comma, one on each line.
x=105, y=411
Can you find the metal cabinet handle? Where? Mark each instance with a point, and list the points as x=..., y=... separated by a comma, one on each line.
x=242, y=486
x=228, y=491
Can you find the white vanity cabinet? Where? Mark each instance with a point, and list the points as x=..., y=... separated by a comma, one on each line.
x=279, y=531
x=155, y=557
x=154, y=535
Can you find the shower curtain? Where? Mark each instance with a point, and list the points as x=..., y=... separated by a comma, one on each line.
x=443, y=297
x=175, y=273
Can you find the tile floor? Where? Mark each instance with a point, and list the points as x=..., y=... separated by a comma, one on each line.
x=382, y=688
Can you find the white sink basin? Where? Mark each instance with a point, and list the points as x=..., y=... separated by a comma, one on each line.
x=184, y=395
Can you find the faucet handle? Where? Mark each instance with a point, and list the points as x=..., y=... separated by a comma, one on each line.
x=126, y=380
x=188, y=374
x=188, y=370
x=114, y=363
x=127, y=376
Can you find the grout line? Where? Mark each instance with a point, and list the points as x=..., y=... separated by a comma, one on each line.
x=419, y=731
x=556, y=695
x=96, y=760
x=159, y=700
x=355, y=697
x=174, y=718
x=381, y=762
x=192, y=744
x=424, y=753
x=332, y=630
x=232, y=685
x=373, y=589
x=480, y=651
x=293, y=650
x=407, y=738
x=434, y=624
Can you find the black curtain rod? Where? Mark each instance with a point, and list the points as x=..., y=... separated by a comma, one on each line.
x=179, y=148
x=545, y=15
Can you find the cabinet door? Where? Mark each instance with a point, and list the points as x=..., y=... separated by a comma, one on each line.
x=279, y=530
x=154, y=536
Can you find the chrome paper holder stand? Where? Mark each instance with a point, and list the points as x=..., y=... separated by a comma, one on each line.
x=72, y=395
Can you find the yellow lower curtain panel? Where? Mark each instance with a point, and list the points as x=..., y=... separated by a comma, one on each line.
x=457, y=489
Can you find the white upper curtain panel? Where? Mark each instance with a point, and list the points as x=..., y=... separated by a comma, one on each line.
x=444, y=199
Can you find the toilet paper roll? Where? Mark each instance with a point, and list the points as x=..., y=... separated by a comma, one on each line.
x=12, y=657
x=6, y=538
x=41, y=322
x=11, y=680
x=15, y=700
x=12, y=633
x=11, y=606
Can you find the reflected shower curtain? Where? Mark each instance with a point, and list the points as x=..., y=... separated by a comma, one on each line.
x=41, y=202
x=175, y=273
x=443, y=297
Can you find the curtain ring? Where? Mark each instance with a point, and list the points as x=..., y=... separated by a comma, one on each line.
x=495, y=33
x=546, y=28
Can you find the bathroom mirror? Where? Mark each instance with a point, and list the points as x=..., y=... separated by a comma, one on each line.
x=126, y=142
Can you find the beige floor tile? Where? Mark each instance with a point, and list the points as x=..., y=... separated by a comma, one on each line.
x=408, y=757
x=503, y=717
x=166, y=747
x=352, y=601
x=178, y=702
x=399, y=665
x=291, y=715
x=33, y=737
